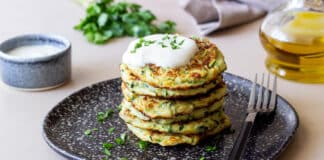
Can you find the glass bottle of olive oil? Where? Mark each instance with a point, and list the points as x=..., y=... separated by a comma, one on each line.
x=293, y=37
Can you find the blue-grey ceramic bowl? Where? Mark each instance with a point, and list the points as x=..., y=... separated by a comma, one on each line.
x=38, y=73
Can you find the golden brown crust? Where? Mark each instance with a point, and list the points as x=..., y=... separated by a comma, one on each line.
x=179, y=96
x=172, y=139
x=153, y=107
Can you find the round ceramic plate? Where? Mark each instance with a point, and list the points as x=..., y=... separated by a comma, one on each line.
x=65, y=124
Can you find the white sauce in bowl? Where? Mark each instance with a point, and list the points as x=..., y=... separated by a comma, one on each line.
x=33, y=51
x=163, y=50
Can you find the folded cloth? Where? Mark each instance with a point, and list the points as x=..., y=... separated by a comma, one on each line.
x=212, y=15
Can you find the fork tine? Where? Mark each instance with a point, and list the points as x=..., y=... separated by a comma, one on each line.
x=273, y=95
x=266, y=95
x=258, y=105
x=252, y=94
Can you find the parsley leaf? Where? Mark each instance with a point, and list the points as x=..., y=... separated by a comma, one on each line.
x=107, y=152
x=122, y=139
x=88, y=132
x=106, y=148
x=210, y=148
x=143, y=144
x=103, y=116
x=107, y=145
x=105, y=20
x=102, y=19
x=111, y=129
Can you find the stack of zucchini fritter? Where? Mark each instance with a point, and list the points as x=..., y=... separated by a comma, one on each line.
x=182, y=105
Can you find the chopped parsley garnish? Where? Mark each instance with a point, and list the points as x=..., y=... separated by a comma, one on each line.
x=210, y=148
x=165, y=42
x=103, y=116
x=148, y=42
x=181, y=42
x=107, y=145
x=107, y=152
x=142, y=42
x=106, y=148
x=162, y=45
x=174, y=46
x=166, y=37
x=122, y=139
x=88, y=132
x=138, y=45
x=202, y=158
x=111, y=130
x=106, y=20
x=143, y=144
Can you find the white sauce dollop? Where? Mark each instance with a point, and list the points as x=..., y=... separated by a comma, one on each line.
x=33, y=51
x=163, y=50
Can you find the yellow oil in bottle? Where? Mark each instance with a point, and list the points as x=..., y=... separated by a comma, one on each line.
x=296, y=48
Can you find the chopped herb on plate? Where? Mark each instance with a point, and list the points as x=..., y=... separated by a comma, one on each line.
x=107, y=145
x=111, y=130
x=107, y=152
x=143, y=144
x=88, y=132
x=210, y=148
x=122, y=139
x=103, y=116
x=202, y=158
x=106, y=148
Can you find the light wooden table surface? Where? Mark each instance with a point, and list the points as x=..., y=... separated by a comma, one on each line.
x=22, y=113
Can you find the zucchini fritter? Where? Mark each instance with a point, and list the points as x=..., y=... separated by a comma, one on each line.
x=203, y=68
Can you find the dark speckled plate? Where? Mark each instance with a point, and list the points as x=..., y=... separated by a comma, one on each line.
x=65, y=124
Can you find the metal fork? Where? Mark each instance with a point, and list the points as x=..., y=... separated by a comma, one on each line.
x=263, y=105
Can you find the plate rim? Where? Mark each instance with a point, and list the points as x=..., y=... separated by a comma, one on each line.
x=73, y=156
x=296, y=126
x=56, y=148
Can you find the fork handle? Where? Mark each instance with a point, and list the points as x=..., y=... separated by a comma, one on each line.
x=240, y=142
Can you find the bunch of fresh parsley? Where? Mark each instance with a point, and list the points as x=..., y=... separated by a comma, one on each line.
x=106, y=20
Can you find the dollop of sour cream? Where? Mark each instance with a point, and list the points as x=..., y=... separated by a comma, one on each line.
x=164, y=50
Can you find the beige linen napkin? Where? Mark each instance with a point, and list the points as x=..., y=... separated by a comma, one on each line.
x=212, y=15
